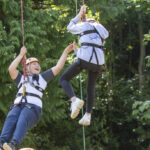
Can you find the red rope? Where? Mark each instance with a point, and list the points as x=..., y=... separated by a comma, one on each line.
x=24, y=58
x=22, y=23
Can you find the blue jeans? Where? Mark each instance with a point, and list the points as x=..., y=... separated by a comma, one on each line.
x=18, y=120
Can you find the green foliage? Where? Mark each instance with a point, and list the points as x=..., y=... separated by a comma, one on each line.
x=120, y=118
x=141, y=111
x=148, y=63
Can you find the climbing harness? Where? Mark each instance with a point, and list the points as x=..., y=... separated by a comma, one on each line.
x=35, y=77
x=29, y=94
x=90, y=44
x=93, y=50
x=92, y=31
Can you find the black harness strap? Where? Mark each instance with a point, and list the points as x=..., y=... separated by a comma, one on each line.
x=29, y=94
x=91, y=31
x=99, y=35
x=87, y=32
x=36, y=87
x=93, y=45
x=19, y=86
x=95, y=56
x=93, y=50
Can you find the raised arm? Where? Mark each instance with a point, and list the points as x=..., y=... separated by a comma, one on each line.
x=73, y=26
x=60, y=64
x=13, y=66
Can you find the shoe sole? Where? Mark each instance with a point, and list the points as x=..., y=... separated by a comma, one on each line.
x=73, y=116
x=6, y=147
x=84, y=124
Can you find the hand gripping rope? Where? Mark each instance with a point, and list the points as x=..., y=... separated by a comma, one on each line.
x=83, y=16
x=24, y=58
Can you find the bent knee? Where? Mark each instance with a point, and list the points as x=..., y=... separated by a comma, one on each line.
x=61, y=79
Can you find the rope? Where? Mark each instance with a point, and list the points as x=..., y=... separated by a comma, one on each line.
x=22, y=23
x=83, y=16
x=24, y=58
x=83, y=128
x=81, y=92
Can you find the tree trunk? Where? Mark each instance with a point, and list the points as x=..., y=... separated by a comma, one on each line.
x=142, y=54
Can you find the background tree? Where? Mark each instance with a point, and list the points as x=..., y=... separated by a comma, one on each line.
x=121, y=113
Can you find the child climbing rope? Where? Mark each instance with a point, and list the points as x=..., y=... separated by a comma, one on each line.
x=90, y=57
x=26, y=110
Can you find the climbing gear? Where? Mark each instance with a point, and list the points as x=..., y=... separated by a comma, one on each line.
x=35, y=85
x=91, y=31
x=32, y=84
x=83, y=128
x=93, y=50
x=28, y=94
x=75, y=107
x=22, y=23
x=83, y=16
x=24, y=90
x=24, y=58
x=29, y=61
x=86, y=120
x=35, y=77
x=88, y=32
x=32, y=59
x=93, y=45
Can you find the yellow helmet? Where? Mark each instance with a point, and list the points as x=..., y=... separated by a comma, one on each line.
x=31, y=59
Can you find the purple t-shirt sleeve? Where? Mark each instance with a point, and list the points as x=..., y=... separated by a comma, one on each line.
x=48, y=75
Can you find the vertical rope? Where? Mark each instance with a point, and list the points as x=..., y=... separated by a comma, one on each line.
x=22, y=23
x=83, y=128
x=83, y=16
x=24, y=58
x=76, y=7
x=83, y=2
x=81, y=92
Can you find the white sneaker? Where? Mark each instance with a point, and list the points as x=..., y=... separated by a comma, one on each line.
x=9, y=146
x=86, y=120
x=75, y=107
